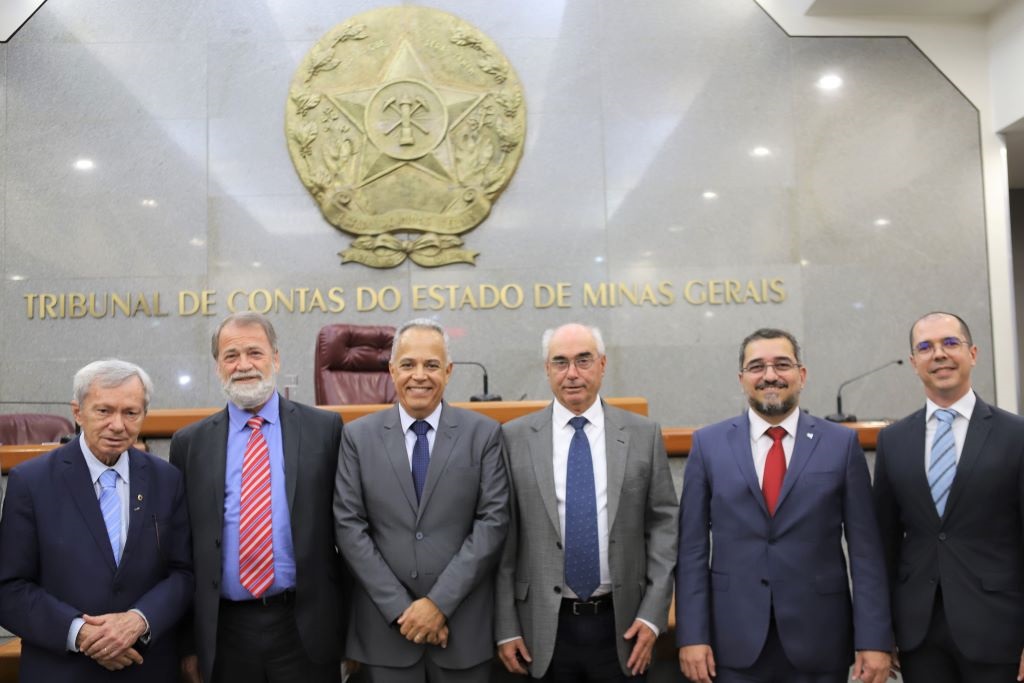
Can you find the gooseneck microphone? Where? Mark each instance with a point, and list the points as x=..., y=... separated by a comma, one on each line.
x=486, y=396
x=839, y=415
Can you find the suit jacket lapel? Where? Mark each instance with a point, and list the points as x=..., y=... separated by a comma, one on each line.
x=978, y=429
x=540, y=444
x=215, y=468
x=444, y=445
x=805, y=441
x=138, y=489
x=394, y=445
x=291, y=444
x=83, y=492
x=616, y=448
x=739, y=442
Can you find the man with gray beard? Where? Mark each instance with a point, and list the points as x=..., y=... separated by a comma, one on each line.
x=259, y=478
x=762, y=588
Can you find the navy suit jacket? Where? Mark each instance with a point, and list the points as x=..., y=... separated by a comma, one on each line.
x=737, y=564
x=975, y=551
x=56, y=563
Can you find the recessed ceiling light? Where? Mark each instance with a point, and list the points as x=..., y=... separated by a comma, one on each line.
x=882, y=222
x=256, y=264
x=710, y=194
x=16, y=278
x=197, y=242
x=830, y=82
x=804, y=262
x=149, y=202
x=760, y=151
x=84, y=164
x=184, y=380
x=599, y=259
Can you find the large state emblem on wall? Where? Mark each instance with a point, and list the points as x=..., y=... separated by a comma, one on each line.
x=405, y=124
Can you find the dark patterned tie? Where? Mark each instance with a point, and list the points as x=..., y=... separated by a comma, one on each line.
x=582, y=561
x=420, y=456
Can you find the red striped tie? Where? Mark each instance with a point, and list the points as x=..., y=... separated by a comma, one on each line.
x=255, y=540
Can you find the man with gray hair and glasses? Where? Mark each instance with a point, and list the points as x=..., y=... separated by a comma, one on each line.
x=95, y=559
x=259, y=477
x=586, y=575
x=949, y=491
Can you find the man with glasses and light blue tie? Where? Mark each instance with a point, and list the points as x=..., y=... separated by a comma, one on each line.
x=95, y=558
x=586, y=577
x=763, y=592
x=949, y=491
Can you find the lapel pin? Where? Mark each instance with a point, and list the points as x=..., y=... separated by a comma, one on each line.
x=810, y=435
x=139, y=498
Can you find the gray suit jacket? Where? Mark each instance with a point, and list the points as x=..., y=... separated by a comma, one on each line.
x=310, y=438
x=445, y=548
x=642, y=507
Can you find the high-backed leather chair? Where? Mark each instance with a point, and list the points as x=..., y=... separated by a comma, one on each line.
x=28, y=428
x=351, y=365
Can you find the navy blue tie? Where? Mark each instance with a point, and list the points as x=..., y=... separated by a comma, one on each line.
x=420, y=456
x=582, y=563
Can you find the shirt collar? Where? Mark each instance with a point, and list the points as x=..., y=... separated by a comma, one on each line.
x=96, y=468
x=434, y=419
x=560, y=415
x=758, y=425
x=270, y=412
x=964, y=407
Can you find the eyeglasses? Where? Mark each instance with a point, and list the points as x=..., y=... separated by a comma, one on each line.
x=927, y=348
x=760, y=367
x=582, y=362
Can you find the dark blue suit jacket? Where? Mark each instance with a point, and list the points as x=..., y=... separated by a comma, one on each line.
x=56, y=564
x=737, y=564
x=975, y=551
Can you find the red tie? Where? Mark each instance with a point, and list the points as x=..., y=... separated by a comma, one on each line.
x=774, y=469
x=255, y=540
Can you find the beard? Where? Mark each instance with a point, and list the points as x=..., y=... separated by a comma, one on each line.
x=249, y=395
x=775, y=408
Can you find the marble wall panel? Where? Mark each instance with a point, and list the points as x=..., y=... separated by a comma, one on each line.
x=635, y=111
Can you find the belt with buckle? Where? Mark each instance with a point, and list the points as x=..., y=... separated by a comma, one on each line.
x=282, y=598
x=579, y=608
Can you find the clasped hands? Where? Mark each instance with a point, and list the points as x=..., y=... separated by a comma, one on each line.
x=423, y=622
x=108, y=639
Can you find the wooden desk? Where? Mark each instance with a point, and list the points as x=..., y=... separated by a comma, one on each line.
x=10, y=655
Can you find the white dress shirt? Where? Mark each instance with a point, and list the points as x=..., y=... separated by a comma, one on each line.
x=760, y=443
x=964, y=408
x=433, y=420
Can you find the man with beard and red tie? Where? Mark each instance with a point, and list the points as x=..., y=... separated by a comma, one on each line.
x=762, y=589
x=259, y=477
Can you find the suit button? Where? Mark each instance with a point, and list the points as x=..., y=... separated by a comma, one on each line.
x=558, y=589
x=771, y=541
x=942, y=536
x=414, y=574
x=419, y=535
x=764, y=582
x=217, y=542
x=216, y=583
x=558, y=545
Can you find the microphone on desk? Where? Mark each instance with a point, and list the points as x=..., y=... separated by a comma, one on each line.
x=486, y=396
x=839, y=415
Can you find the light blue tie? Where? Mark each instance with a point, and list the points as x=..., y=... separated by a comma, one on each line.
x=943, y=459
x=110, y=506
x=582, y=561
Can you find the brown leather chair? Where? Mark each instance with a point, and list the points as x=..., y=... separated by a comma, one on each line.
x=351, y=365
x=28, y=428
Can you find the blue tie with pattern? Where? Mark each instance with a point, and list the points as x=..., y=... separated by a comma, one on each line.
x=582, y=564
x=110, y=506
x=943, y=459
x=420, y=456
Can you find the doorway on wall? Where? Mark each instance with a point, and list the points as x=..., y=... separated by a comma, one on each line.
x=1014, y=138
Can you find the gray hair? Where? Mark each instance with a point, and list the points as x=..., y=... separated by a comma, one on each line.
x=107, y=374
x=421, y=324
x=243, y=320
x=545, y=340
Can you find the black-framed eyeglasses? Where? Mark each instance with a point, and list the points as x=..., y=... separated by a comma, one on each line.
x=782, y=365
x=927, y=348
x=583, y=361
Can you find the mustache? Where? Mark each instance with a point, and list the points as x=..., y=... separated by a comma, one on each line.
x=775, y=383
x=251, y=374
